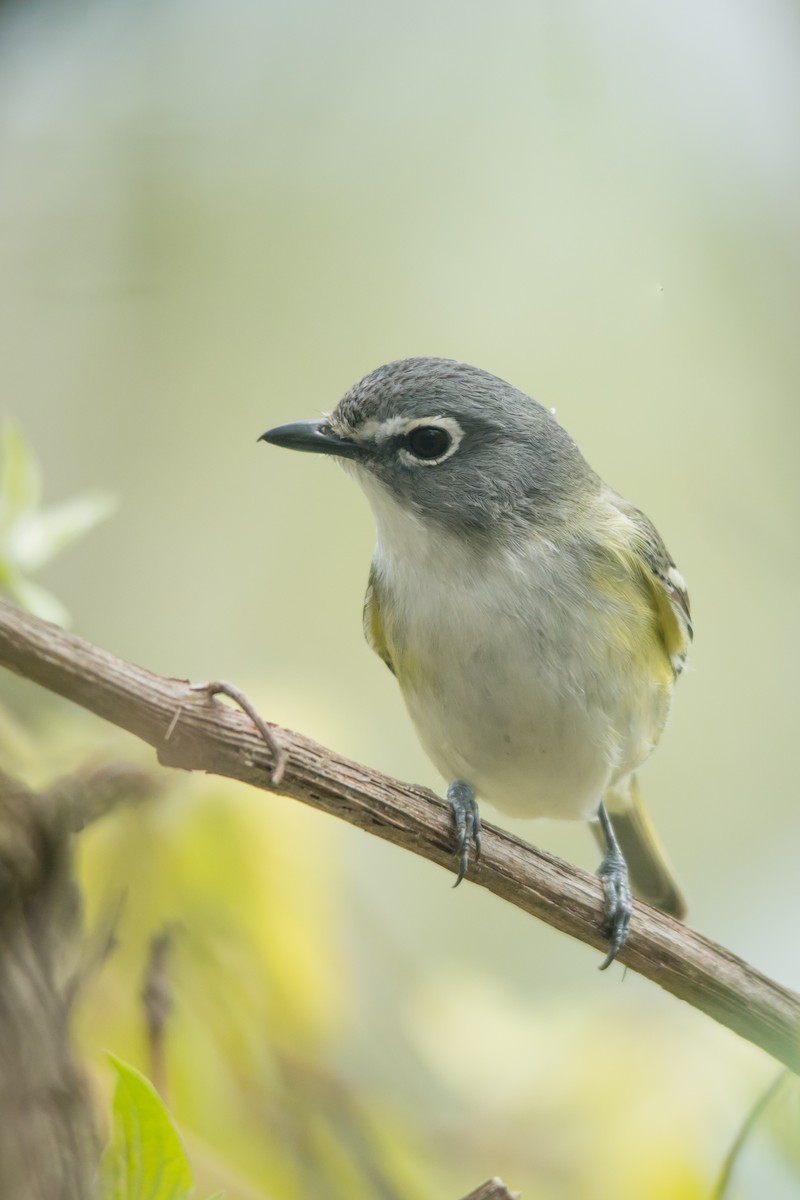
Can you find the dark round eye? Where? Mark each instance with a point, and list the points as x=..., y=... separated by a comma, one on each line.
x=428, y=441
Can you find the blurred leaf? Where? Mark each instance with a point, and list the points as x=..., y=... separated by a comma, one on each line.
x=30, y=536
x=37, y=600
x=765, y=1107
x=20, y=479
x=145, y=1159
x=783, y=1118
x=41, y=536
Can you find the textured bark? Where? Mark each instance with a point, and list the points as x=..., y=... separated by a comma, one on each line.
x=493, y=1189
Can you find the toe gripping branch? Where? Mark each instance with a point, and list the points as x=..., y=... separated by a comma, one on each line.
x=613, y=871
x=462, y=801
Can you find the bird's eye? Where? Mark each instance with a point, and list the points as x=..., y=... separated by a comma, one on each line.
x=428, y=441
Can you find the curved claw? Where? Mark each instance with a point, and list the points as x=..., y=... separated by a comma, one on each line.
x=468, y=824
x=618, y=904
x=616, y=885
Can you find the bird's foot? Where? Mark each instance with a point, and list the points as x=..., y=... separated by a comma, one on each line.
x=618, y=903
x=468, y=824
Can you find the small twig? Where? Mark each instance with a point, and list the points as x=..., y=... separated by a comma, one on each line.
x=157, y=1002
x=280, y=756
x=493, y=1189
x=100, y=946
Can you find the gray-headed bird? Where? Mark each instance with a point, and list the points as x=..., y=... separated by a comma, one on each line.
x=532, y=617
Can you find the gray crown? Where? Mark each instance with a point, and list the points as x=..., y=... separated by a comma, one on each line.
x=513, y=459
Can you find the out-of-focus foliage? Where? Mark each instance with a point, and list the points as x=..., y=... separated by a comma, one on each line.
x=284, y=1075
x=30, y=536
x=261, y=985
x=776, y=1113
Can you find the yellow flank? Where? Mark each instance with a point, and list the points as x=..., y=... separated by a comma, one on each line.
x=669, y=628
x=633, y=575
x=373, y=628
x=637, y=625
x=409, y=669
x=644, y=565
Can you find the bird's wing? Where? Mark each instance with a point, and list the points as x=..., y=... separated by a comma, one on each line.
x=373, y=628
x=665, y=584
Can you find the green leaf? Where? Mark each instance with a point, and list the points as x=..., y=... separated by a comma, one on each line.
x=145, y=1159
x=29, y=535
x=20, y=480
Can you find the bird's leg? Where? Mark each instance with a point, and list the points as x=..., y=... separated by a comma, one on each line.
x=468, y=824
x=613, y=871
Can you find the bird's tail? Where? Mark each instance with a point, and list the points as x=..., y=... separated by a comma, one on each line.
x=650, y=873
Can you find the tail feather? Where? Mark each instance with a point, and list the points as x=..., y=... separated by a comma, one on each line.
x=650, y=873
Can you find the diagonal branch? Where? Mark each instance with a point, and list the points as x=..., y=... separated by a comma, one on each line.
x=189, y=730
x=493, y=1189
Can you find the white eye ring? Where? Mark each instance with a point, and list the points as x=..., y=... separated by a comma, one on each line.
x=448, y=424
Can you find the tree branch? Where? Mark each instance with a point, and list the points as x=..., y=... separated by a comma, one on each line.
x=493, y=1189
x=192, y=731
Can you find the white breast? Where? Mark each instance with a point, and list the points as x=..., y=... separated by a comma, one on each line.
x=510, y=674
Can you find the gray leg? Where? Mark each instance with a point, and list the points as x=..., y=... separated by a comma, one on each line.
x=619, y=905
x=468, y=824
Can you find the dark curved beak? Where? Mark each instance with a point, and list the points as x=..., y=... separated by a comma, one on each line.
x=315, y=437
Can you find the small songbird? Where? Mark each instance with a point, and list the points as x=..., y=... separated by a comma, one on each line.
x=533, y=618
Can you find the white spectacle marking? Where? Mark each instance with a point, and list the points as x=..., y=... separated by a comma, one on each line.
x=379, y=431
x=449, y=424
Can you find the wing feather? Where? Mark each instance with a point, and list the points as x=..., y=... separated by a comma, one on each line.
x=666, y=586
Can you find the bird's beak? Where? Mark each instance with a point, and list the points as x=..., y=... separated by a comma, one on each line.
x=315, y=437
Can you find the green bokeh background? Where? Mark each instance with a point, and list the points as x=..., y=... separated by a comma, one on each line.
x=215, y=218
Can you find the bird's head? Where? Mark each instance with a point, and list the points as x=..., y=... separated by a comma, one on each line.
x=449, y=442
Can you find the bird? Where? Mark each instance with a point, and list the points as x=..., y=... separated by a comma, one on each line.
x=533, y=618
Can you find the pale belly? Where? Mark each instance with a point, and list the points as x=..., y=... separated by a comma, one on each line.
x=538, y=725
x=526, y=749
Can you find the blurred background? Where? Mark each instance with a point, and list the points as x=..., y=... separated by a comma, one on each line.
x=215, y=218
